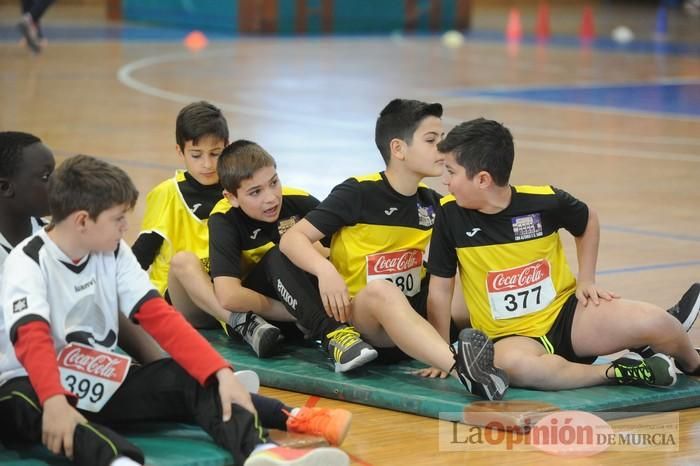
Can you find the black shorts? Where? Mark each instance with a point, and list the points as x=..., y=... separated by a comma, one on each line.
x=558, y=338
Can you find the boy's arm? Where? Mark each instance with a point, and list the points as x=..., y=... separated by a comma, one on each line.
x=146, y=248
x=587, y=253
x=439, y=304
x=137, y=343
x=298, y=245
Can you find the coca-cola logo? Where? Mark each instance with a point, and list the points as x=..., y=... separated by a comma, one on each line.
x=395, y=262
x=520, y=277
x=94, y=363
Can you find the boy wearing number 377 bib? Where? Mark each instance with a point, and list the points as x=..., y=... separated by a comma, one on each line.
x=547, y=326
x=61, y=295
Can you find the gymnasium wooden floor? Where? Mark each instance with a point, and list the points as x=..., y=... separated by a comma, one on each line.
x=619, y=130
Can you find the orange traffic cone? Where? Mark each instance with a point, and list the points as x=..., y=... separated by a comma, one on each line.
x=514, y=30
x=542, y=31
x=587, y=32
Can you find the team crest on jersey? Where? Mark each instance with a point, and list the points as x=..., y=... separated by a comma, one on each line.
x=19, y=305
x=426, y=215
x=286, y=224
x=527, y=227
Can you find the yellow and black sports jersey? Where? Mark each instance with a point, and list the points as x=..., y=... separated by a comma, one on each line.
x=177, y=211
x=238, y=242
x=377, y=233
x=512, y=265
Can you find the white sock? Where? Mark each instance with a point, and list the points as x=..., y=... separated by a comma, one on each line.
x=295, y=411
x=263, y=447
x=124, y=461
x=236, y=318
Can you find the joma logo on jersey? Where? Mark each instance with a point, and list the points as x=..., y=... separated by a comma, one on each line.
x=79, y=288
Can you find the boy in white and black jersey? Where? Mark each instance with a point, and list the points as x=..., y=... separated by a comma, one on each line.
x=67, y=286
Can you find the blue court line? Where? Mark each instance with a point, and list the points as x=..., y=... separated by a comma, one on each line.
x=644, y=268
x=655, y=234
x=675, y=98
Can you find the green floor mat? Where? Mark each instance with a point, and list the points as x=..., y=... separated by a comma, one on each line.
x=308, y=370
x=163, y=445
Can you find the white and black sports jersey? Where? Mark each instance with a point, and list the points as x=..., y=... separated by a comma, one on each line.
x=6, y=247
x=79, y=301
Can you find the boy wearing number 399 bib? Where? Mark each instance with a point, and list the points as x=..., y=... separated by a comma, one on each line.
x=61, y=294
x=380, y=227
x=548, y=327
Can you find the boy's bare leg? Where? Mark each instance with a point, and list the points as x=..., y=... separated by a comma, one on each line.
x=620, y=324
x=384, y=318
x=137, y=343
x=192, y=292
x=529, y=366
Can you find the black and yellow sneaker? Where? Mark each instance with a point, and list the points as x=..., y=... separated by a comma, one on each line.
x=655, y=371
x=474, y=365
x=348, y=350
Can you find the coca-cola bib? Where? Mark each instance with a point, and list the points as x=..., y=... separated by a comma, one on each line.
x=92, y=375
x=402, y=268
x=521, y=290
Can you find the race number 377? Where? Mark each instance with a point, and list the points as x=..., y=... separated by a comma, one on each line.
x=92, y=375
x=521, y=290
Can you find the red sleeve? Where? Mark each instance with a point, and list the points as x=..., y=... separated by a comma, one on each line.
x=35, y=350
x=176, y=336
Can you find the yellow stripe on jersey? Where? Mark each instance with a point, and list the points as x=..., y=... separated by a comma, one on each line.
x=350, y=245
x=221, y=207
x=167, y=214
x=475, y=261
x=449, y=198
x=250, y=257
x=526, y=189
x=373, y=177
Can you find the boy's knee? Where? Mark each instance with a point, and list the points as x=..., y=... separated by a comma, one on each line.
x=381, y=291
x=184, y=260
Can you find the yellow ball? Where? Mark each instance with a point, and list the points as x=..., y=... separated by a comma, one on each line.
x=452, y=39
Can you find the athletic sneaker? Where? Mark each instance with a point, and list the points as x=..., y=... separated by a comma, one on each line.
x=283, y=456
x=256, y=331
x=249, y=379
x=348, y=350
x=474, y=365
x=655, y=371
x=28, y=29
x=686, y=311
x=331, y=424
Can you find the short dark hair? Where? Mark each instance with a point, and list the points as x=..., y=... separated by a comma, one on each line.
x=12, y=143
x=197, y=120
x=481, y=145
x=86, y=183
x=239, y=161
x=399, y=120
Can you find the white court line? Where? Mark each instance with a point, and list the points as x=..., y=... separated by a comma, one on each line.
x=124, y=75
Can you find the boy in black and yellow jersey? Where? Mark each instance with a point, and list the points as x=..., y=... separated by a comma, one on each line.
x=548, y=326
x=380, y=227
x=174, y=240
x=249, y=272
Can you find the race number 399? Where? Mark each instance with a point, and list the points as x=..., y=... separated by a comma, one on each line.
x=521, y=290
x=92, y=375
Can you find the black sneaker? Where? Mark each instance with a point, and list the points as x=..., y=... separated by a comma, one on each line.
x=686, y=311
x=348, y=350
x=257, y=332
x=474, y=365
x=655, y=371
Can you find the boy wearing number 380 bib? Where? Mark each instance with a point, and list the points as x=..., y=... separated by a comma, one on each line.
x=548, y=327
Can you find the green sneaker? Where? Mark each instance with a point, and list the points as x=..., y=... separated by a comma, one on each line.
x=655, y=371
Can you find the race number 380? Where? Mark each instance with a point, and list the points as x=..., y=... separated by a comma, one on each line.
x=521, y=290
x=92, y=375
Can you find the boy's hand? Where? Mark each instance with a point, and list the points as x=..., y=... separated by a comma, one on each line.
x=431, y=372
x=232, y=391
x=58, y=425
x=589, y=292
x=334, y=294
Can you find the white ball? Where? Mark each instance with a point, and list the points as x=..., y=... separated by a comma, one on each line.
x=622, y=35
x=452, y=39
